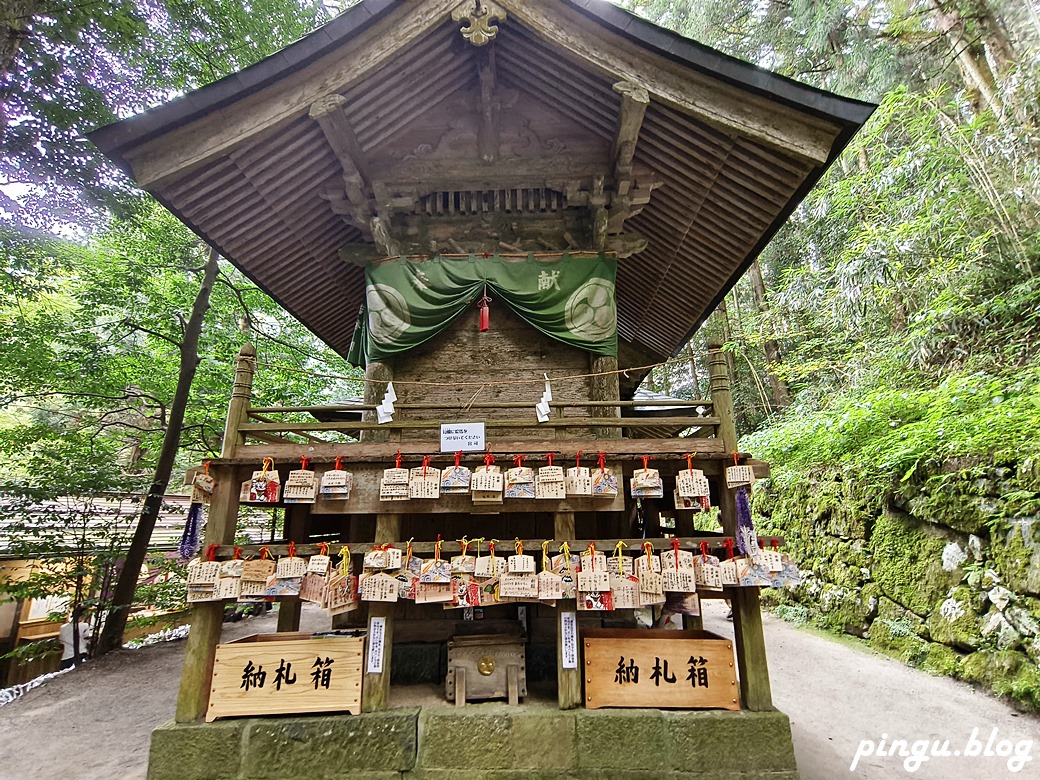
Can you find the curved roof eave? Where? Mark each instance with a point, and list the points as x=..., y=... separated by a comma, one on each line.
x=113, y=138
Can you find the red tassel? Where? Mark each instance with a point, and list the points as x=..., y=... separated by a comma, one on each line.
x=485, y=311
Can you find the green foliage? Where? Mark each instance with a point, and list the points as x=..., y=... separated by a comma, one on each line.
x=93, y=334
x=886, y=434
x=83, y=65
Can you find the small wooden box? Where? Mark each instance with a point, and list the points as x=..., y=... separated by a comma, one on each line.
x=486, y=666
x=268, y=674
x=651, y=668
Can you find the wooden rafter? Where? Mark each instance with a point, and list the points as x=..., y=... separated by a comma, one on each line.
x=734, y=110
x=328, y=113
x=487, y=131
x=218, y=132
x=634, y=100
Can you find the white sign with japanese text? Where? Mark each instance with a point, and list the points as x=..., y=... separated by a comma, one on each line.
x=467, y=437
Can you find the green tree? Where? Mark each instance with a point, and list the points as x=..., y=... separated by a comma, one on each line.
x=67, y=67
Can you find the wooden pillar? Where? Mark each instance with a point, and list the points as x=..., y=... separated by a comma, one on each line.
x=207, y=618
x=721, y=398
x=604, y=388
x=749, y=638
x=568, y=681
x=377, y=374
x=297, y=529
x=750, y=642
x=375, y=690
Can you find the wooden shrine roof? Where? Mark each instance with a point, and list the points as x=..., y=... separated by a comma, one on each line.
x=363, y=123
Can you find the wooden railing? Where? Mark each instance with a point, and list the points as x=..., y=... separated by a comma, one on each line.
x=262, y=423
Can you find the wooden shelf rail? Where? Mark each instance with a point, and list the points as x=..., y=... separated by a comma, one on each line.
x=504, y=546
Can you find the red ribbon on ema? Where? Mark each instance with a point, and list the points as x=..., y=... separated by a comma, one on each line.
x=458, y=458
x=292, y=549
x=728, y=544
x=518, y=460
x=425, y=464
x=549, y=457
x=339, y=463
x=211, y=552
x=776, y=545
x=704, y=550
x=305, y=462
x=602, y=463
x=488, y=459
x=397, y=460
x=646, y=462
x=675, y=552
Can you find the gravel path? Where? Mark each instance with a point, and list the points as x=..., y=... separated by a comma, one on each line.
x=95, y=722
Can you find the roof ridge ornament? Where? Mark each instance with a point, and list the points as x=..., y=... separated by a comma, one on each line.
x=480, y=17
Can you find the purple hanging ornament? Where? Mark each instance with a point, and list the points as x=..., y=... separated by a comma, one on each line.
x=189, y=544
x=747, y=539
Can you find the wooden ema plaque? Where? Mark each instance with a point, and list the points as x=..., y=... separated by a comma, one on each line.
x=660, y=669
x=275, y=674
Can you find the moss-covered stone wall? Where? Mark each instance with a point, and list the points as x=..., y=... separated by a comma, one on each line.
x=942, y=572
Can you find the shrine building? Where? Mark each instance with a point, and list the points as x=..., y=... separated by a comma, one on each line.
x=507, y=212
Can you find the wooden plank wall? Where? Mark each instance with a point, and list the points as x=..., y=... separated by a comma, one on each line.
x=510, y=350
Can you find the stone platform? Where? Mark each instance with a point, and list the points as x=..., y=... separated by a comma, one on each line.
x=491, y=741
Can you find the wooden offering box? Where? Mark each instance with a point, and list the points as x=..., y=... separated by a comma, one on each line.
x=486, y=666
x=640, y=668
x=268, y=674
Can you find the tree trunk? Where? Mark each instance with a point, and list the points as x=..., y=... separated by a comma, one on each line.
x=15, y=16
x=781, y=392
x=126, y=586
x=695, y=377
x=722, y=314
x=972, y=62
x=999, y=48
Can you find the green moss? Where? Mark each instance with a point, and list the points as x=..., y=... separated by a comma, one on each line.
x=1023, y=688
x=907, y=558
x=991, y=668
x=1015, y=550
x=898, y=639
x=889, y=611
x=940, y=660
x=954, y=621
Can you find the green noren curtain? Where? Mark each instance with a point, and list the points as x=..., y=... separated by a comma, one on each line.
x=407, y=302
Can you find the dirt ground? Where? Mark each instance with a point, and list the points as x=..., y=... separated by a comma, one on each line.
x=95, y=722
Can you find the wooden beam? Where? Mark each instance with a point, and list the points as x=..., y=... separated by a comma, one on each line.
x=730, y=108
x=750, y=646
x=715, y=542
x=375, y=689
x=487, y=132
x=217, y=132
x=568, y=681
x=207, y=618
x=603, y=386
x=634, y=100
x=616, y=449
x=525, y=422
x=328, y=113
x=426, y=176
